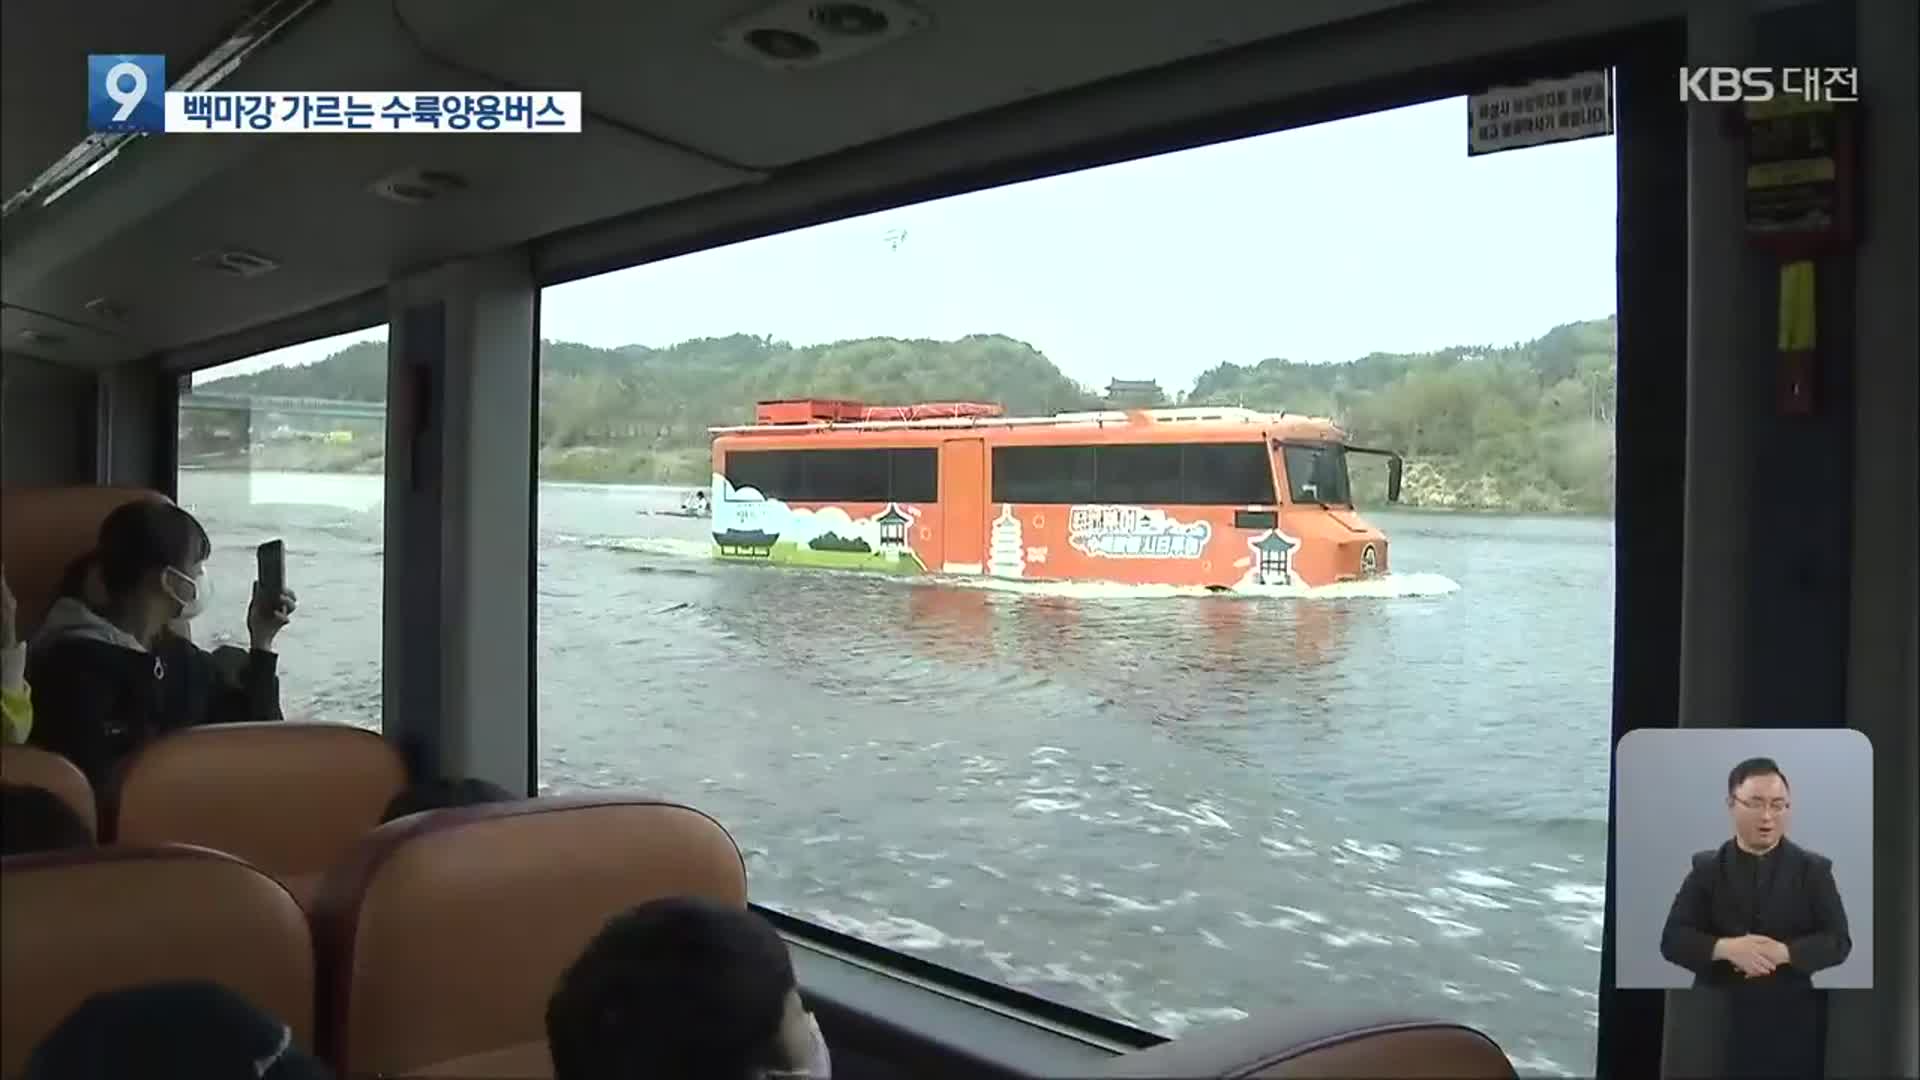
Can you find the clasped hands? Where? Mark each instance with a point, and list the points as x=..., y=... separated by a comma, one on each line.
x=1754, y=954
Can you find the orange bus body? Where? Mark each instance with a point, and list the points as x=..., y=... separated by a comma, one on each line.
x=950, y=492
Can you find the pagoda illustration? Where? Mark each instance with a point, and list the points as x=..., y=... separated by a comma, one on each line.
x=893, y=529
x=1274, y=553
x=1006, y=552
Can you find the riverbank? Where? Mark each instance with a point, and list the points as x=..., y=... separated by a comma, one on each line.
x=1425, y=489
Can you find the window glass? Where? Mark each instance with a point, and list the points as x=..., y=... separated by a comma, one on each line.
x=290, y=445
x=1317, y=474
x=1144, y=475
x=859, y=476
x=1226, y=474
x=1043, y=474
x=773, y=473
x=916, y=475
x=1162, y=805
x=862, y=476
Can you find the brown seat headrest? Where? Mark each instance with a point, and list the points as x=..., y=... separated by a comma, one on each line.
x=44, y=529
x=76, y=923
x=292, y=798
x=446, y=932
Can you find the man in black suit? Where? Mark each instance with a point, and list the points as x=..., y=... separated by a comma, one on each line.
x=1759, y=915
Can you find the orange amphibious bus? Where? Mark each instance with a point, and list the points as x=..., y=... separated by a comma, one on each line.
x=1223, y=498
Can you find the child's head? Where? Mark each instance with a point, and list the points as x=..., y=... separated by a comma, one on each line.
x=683, y=987
x=35, y=819
x=177, y=1030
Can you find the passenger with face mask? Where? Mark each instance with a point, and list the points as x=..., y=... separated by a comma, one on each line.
x=111, y=666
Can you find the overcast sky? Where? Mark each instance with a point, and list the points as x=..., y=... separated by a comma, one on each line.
x=1317, y=244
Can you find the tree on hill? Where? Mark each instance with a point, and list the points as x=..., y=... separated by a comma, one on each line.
x=355, y=373
x=1526, y=426
x=1534, y=418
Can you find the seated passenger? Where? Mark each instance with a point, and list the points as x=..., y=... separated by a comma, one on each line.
x=112, y=674
x=16, y=700
x=442, y=794
x=34, y=819
x=680, y=988
x=182, y=1030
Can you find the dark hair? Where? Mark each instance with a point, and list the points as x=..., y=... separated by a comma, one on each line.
x=676, y=988
x=1754, y=766
x=439, y=794
x=36, y=819
x=175, y=1030
x=73, y=581
x=145, y=535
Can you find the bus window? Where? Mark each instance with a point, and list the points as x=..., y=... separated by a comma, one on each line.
x=857, y=476
x=1043, y=474
x=1169, y=803
x=905, y=475
x=1226, y=474
x=1145, y=475
x=291, y=445
x=775, y=474
x=915, y=475
x=1317, y=474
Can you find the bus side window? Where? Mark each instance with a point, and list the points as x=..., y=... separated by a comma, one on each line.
x=1227, y=474
x=1043, y=474
x=1143, y=475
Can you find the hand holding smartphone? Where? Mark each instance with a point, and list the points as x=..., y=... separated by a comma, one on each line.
x=272, y=573
x=272, y=605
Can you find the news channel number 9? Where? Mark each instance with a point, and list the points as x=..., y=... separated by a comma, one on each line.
x=126, y=92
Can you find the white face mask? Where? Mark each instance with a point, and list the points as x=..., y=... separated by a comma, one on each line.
x=186, y=590
x=819, y=1063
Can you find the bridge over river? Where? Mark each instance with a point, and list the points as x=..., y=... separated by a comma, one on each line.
x=290, y=410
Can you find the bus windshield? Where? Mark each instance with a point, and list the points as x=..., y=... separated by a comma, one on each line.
x=1317, y=473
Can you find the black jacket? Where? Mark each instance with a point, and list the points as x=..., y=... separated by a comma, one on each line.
x=97, y=696
x=1788, y=895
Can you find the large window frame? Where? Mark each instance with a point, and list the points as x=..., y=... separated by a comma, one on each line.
x=1652, y=413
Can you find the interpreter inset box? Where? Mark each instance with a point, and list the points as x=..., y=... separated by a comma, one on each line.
x=1742, y=857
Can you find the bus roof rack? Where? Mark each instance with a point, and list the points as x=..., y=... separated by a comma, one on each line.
x=795, y=415
x=831, y=410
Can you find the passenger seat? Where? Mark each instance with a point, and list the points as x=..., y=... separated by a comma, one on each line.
x=77, y=923
x=39, y=768
x=442, y=938
x=291, y=798
x=43, y=529
x=1325, y=1046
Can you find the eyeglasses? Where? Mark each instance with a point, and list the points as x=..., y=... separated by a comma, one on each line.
x=1778, y=806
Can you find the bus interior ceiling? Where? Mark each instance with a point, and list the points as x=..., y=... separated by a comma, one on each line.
x=108, y=296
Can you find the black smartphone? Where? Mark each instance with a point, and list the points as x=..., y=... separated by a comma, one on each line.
x=272, y=573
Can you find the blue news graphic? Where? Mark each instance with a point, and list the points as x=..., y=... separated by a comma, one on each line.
x=126, y=92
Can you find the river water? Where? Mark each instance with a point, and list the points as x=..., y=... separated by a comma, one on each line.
x=1174, y=810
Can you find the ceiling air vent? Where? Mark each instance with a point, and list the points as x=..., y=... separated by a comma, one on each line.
x=242, y=264
x=412, y=187
x=794, y=34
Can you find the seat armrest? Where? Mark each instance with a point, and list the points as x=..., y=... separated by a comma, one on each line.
x=1307, y=1044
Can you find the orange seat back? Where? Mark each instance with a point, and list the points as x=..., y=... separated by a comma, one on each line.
x=78, y=923
x=43, y=529
x=39, y=768
x=291, y=798
x=1310, y=1044
x=447, y=932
